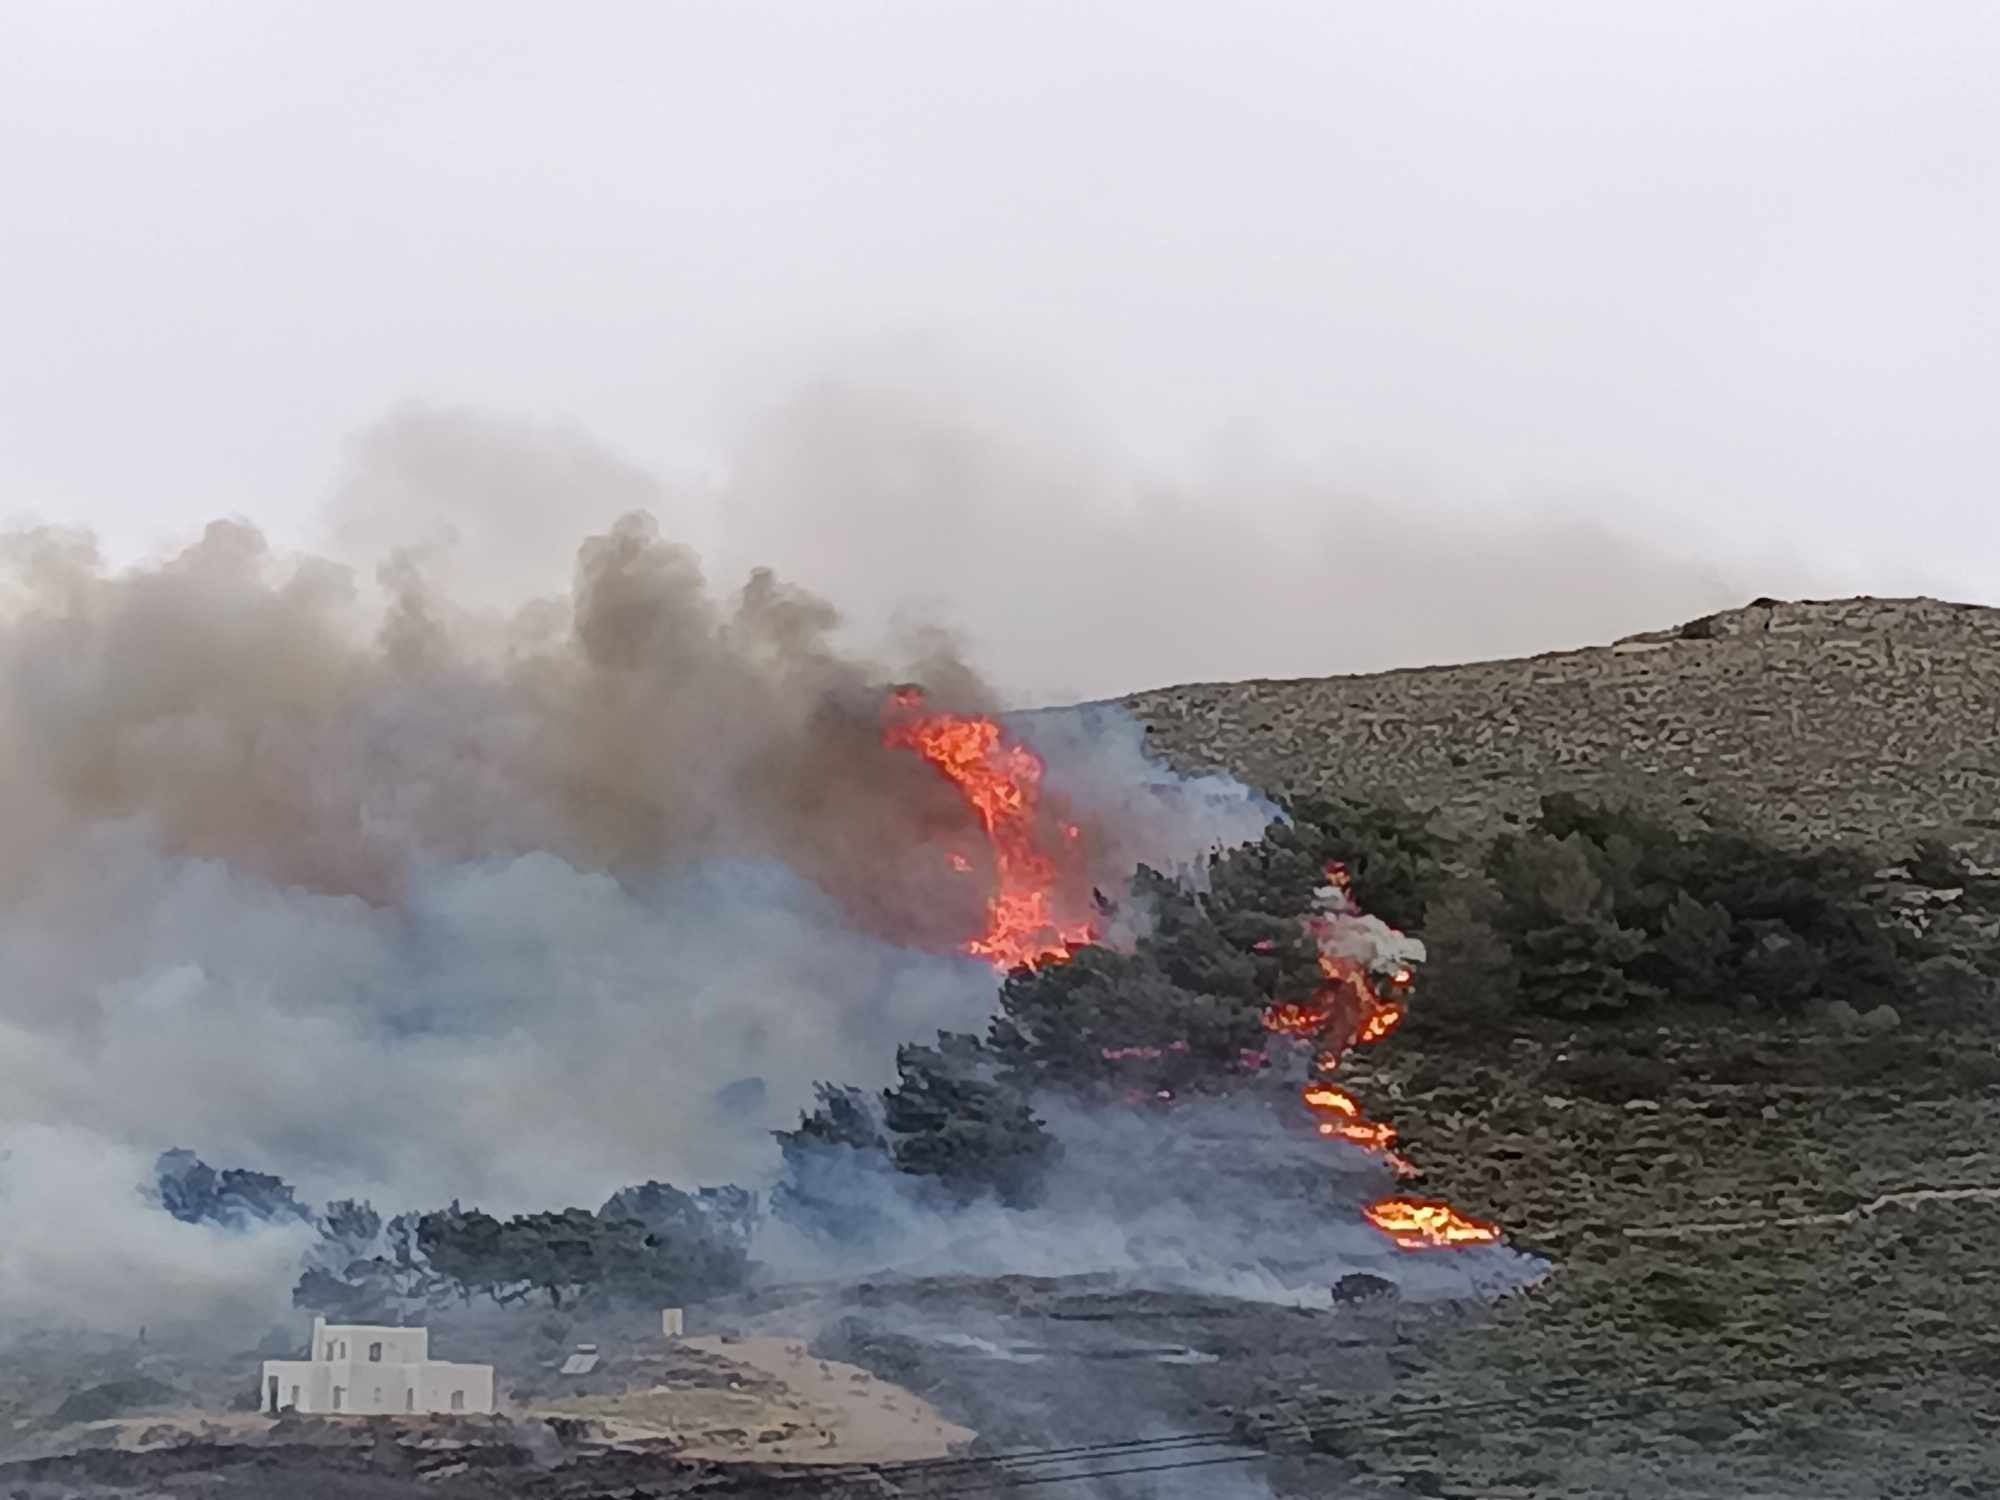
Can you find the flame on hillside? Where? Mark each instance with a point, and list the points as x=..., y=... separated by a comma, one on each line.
x=1425, y=1224
x=1324, y=1098
x=1027, y=922
x=1385, y=1018
x=1363, y=980
x=1289, y=1018
x=1357, y=1004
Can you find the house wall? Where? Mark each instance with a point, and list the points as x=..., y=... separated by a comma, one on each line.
x=302, y=1385
x=439, y=1378
x=347, y=1388
x=357, y=1341
x=365, y=1370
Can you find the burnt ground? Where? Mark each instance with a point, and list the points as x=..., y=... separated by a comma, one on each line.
x=1770, y=1281
x=1038, y=1366
x=362, y=1465
x=1764, y=1286
x=1730, y=1316
x=1030, y=1364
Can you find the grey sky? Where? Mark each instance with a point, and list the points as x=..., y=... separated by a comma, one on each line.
x=1279, y=331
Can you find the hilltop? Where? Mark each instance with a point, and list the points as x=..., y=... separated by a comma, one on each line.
x=1858, y=720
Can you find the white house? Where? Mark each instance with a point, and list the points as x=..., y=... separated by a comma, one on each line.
x=368, y=1371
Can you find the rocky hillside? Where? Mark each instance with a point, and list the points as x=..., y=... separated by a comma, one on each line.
x=1856, y=719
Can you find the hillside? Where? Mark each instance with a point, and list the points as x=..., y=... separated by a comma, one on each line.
x=1772, y=1235
x=1858, y=719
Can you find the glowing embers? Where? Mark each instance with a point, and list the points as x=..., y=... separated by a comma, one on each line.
x=1340, y=1118
x=1379, y=1022
x=1425, y=1224
x=1324, y=1098
x=1370, y=1135
x=1289, y=1018
x=1026, y=919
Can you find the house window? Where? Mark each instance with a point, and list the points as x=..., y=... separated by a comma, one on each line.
x=374, y=1354
x=458, y=1400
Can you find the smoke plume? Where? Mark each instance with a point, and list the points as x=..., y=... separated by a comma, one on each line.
x=344, y=876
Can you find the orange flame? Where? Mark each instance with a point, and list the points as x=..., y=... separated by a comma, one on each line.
x=1324, y=1096
x=1350, y=1009
x=1378, y=1023
x=1423, y=1223
x=1341, y=1118
x=1289, y=1018
x=1370, y=1135
x=1002, y=783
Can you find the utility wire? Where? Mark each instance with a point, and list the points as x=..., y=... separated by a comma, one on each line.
x=1008, y=1481
x=1607, y=1404
x=1588, y=1402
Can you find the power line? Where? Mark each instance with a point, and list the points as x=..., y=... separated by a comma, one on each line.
x=1008, y=1481
x=1005, y=1466
x=1609, y=1403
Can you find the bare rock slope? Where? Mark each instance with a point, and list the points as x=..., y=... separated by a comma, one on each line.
x=1862, y=720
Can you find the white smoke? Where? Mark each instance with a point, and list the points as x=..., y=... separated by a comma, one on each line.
x=1215, y=1197
x=399, y=893
x=1097, y=758
x=404, y=898
x=82, y=1246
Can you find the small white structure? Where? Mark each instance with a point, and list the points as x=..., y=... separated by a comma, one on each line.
x=362, y=1370
x=672, y=1324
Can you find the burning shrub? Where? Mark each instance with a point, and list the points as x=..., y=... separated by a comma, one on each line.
x=1182, y=1008
x=1191, y=1005
x=1114, y=1022
x=1393, y=856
